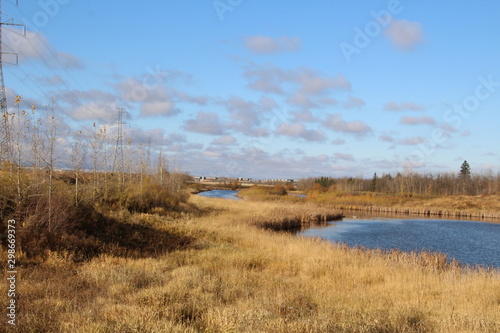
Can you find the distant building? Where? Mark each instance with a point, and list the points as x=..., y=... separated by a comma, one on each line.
x=279, y=181
x=205, y=179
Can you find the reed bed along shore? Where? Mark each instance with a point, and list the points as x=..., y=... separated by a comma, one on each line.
x=494, y=216
x=459, y=206
x=294, y=217
x=236, y=276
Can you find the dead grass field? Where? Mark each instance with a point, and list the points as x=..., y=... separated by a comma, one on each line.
x=465, y=206
x=236, y=276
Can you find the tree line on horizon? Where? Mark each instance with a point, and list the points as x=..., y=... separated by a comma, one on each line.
x=463, y=182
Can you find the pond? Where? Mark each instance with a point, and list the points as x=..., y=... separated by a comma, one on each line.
x=224, y=194
x=469, y=242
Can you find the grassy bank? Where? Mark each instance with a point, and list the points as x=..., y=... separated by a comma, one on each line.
x=232, y=275
x=465, y=206
x=459, y=206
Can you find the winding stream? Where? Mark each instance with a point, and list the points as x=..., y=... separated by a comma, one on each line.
x=469, y=242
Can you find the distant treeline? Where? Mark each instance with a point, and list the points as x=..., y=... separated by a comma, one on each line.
x=460, y=183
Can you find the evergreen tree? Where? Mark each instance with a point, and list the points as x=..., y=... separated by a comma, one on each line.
x=373, y=186
x=465, y=170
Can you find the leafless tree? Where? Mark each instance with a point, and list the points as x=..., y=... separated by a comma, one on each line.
x=78, y=157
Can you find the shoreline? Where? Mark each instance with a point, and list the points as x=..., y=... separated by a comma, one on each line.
x=491, y=217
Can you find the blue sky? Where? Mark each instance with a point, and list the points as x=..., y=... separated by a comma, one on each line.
x=283, y=89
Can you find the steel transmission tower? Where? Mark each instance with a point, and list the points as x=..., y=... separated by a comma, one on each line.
x=5, y=144
x=118, y=164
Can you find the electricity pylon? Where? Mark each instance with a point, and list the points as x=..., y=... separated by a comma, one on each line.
x=118, y=164
x=5, y=144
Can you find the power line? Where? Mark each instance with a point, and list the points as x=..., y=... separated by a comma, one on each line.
x=5, y=144
x=55, y=58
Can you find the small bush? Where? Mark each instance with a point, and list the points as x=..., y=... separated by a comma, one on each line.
x=278, y=190
x=153, y=196
x=57, y=216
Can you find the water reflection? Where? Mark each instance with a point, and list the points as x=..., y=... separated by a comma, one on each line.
x=224, y=194
x=469, y=242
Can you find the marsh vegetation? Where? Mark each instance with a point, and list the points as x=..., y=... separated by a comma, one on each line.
x=220, y=269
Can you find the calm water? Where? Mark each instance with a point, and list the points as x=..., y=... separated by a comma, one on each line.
x=225, y=194
x=469, y=242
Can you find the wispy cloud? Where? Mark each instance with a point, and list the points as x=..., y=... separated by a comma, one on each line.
x=159, y=108
x=55, y=80
x=307, y=82
x=247, y=116
x=405, y=35
x=423, y=120
x=354, y=103
x=393, y=106
x=386, y=138
x=338, y=141
x=300, y=131
x=412, y=141
x=153, y=100
x=336, y=123
x=225, y=140
x=344, y=157
x=269, y=45
x=36, y=46
x=205, y=123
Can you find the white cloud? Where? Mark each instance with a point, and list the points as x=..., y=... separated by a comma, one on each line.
x=300, y=131
x=206, y=123
x=266, y=79
x=51, y=81
x=338, y=141
x=301, y=100
x=185, y=97
x=209, y=153
x=268, y=45
x=386, y=138
x=412, y=141
x=393, y=106
x=159, y=108
x=68, y=61
x=336, y=123
x=303, y=81
x=36, y=46
x=155, y=136
x=154, y=100
x=225, y=140
x=76, y=98
x=405, y=35
x=104, y=112
x=344, y=157
x=303, y=116
x=423, y=120
x=354, y=103
x=313, y=84
x=247, y=116
x=323, y=158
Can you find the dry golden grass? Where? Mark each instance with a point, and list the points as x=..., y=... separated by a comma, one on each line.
x=467, y=206
x=236, y=277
